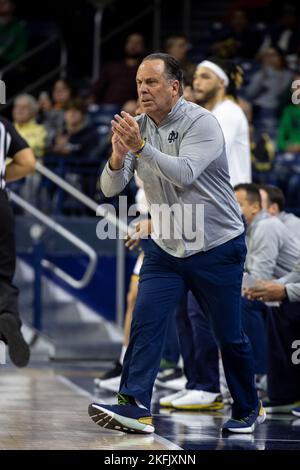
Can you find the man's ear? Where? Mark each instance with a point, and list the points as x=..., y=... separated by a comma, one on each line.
x=175, y=86
x=221, y=84
x=256, y=206
x=273, y=209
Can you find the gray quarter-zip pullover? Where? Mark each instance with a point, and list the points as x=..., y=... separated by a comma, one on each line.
x=272, y=251
x=183, y=163
x=292, y=283
x=291, y=222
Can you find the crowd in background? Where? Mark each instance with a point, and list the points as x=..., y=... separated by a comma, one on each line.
x=69, y=127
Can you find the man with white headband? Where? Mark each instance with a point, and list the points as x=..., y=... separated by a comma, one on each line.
x=212, y=88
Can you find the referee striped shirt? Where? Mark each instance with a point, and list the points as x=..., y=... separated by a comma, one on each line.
x=10, y=143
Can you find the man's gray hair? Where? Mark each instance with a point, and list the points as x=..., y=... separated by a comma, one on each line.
x=31, y=99
x=172, y=67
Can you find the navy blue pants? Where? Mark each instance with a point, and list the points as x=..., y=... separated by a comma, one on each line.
x=198, y=348
x=284, y=374
x=215, y=278
x=171, y=351
x=254, y=314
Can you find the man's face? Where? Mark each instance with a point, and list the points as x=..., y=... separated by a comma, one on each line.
x=22, y=111
x=61, y=93
x=248, y=208
x=73, y=117
x=271, y=57
x=271, y=208
x=206, y=85
x=156, y=92
x=134, y=46
x=179, y=49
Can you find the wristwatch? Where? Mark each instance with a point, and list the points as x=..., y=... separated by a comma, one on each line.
x=139, y=151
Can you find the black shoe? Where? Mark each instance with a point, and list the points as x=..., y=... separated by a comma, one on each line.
x=169, y=374
x=18, y=349
x=114, y=372
x=110, y=380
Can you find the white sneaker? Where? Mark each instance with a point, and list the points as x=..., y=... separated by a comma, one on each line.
x=271, y=408
x=175, y=384
x=167, y=401
x=296, y=411
x=112, y=384
x=199, y=400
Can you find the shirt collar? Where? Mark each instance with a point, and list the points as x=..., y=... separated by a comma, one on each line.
x=173, y=114
x=260, y=216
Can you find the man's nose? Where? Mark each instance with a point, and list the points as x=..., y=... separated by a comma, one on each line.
x=143, y=88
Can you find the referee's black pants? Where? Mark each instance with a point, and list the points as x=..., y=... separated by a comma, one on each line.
x=8, y=292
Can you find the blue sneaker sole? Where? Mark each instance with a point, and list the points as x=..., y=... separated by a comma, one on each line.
x=110, y=420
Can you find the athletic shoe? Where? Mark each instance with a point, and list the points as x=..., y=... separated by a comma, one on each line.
x=18, y=349
x=296, y=411
x=126, y=416
x=198, y=400
x=110, y=380
x=113, y=385
x=115, y=371
x=169, y=374
x=177, y=382
x=261, y=383
x=277, y=408
x=246, y=424
x=296, y=422
x=167, y=401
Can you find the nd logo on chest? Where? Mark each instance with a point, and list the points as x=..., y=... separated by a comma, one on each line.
x=172, y=137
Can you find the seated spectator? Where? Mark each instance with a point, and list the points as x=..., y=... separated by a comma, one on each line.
x=239, y=40
x=261, y=147
x=286, y=168
x=62, y=92
x=45, y=104
x=79, y=143
x=79, y=139
x=13, y=35
x=116, y=83
x=266, y=88
x=24, y=116
x=177, y=46
x=288, y=138
x=51, y=113
x=285, y=33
